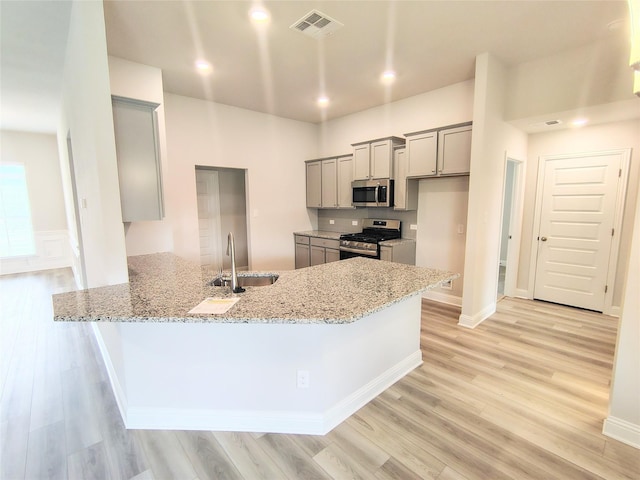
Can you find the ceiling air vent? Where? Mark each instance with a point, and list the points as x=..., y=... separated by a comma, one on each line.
x=316, y=24
x=552, y=122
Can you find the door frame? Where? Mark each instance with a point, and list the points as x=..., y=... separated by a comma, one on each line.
x=515, y=223
x=621, y=193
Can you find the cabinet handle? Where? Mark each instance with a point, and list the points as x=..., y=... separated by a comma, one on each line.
x=544, y=239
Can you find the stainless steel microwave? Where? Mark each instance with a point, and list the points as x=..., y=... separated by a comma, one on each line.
x=372, y=193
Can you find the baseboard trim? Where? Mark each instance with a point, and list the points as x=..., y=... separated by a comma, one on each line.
x=468, y=321
x=521, y=293
x=443, y=298
x=268, y=421
x=118, y=391
x=621, y=430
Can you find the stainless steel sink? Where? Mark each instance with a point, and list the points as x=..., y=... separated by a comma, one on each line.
x=246, y=281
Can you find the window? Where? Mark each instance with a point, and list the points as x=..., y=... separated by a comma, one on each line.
x=16, y=230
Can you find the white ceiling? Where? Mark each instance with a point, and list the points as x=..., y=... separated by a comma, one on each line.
x=276, y=70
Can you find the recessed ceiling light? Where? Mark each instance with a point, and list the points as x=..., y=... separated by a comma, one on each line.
x=203, y=66
x=322, y=101
x=579, y=122
x=259, y=14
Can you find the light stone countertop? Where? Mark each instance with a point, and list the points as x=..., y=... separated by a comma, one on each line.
x=396, y=241
x=164, y=287
x=320, y=234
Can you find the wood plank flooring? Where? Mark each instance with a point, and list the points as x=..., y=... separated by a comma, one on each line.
x=522, y=396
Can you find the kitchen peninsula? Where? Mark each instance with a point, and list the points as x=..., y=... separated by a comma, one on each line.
x=298, y=356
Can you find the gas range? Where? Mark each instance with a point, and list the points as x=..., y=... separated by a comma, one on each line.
x=366, y=242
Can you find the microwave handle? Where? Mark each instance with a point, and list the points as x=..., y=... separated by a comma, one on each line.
x=377, y=198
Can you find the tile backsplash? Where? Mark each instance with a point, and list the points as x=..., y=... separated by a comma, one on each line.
x=343, y=219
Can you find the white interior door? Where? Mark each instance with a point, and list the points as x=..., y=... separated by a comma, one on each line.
x=577, y=213
x=208, y=192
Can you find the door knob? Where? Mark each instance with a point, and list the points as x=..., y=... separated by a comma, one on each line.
x=544, y=239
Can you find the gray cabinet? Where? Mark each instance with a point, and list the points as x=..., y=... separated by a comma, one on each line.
x=345, y=177
x=329, y=182
x=442, y=151
x=406, y=190
x=422, y=153
x=314, y=184
x=374, y=159
x=399, y=252
x=324, y=250
x=139, y=169
x=454, y=150
x=302, y=251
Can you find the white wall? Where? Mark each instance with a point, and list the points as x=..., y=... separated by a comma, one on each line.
x=591, y=75
x=623, y=421
x=442, y=206
x=586, y=139
x=142, y=82
x=86, y=114
x=492, y=139
x=444, y=106
x=272, y=149
x=38, y=153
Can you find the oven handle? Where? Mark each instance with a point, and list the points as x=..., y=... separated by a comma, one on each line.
x=371, y=253
x=376, y=194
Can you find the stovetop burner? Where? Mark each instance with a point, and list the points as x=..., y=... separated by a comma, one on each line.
x=375, y=231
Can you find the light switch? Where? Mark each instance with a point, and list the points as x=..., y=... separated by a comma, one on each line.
x=460, y=228
x=332, y=222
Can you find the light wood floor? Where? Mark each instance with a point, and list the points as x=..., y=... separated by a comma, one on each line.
x=522, y=396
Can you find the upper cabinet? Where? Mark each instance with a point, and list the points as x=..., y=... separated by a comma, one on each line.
x=406, y=190
x=329, y=182
x=454, y=150
x=439, y=152
x=139, y=170
x=422, y=152
x=374, y=159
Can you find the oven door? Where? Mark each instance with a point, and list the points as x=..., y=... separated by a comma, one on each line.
x=344, y=254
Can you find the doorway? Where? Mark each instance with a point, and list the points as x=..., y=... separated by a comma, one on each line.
x=578, y=212
x=222, y=209
x=509, y=238
x=76, y=226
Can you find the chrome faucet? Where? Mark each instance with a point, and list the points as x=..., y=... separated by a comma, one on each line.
x=231, y=250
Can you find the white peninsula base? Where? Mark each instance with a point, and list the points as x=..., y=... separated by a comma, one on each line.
x=245, y=377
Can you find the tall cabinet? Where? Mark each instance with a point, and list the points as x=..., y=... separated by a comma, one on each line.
x=137, y=152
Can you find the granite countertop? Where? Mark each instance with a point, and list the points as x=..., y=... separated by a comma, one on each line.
x=164, y=287
x=320, y=234
x=396, y=241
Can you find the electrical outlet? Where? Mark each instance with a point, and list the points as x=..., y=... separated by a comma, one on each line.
x=413, y=226
x=332, y=222
x=303, y=379
x=354, y=223
x=447, y=285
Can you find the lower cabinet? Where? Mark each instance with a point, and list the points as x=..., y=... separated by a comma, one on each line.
x=302, y=251
x=404, y=252
x=315, y=250
x=324, y=250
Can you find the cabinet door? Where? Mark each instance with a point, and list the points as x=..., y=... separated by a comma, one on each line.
x=386, y=253
x=314, y=184
x=400, y=166
x=381, y=159
x=361, y=161
x=302, y=255
x=422, y=154
x=454, y=151
x=345, y=177
x=331, y=255
x=317, y=255
x=139, y=173
x=329, y=184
